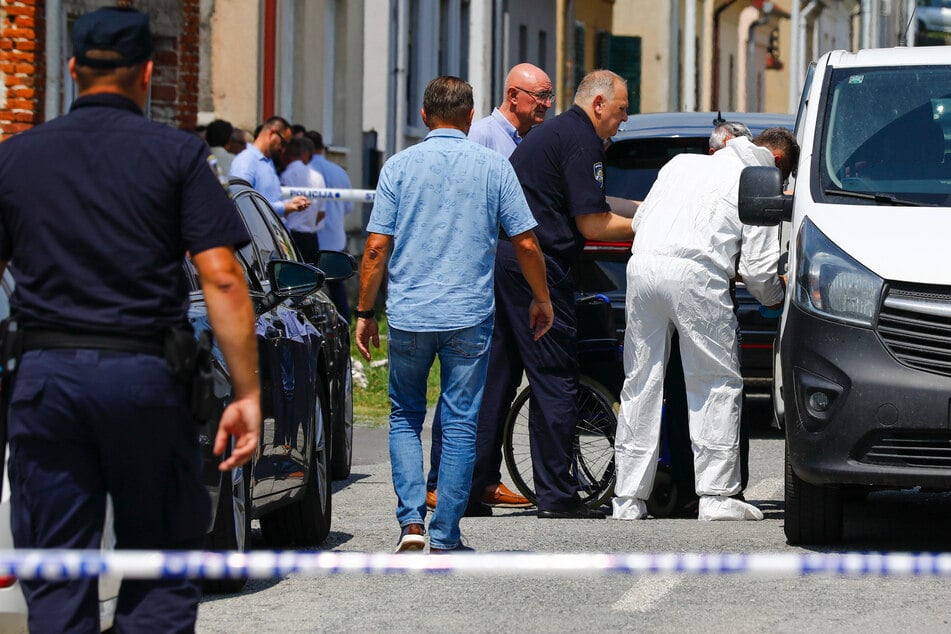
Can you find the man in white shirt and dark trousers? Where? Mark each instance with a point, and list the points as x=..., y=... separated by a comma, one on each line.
x=297, y=173
x=331, y=233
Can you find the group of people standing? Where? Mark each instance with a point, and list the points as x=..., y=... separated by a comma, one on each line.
x=476, y=252
x=285, y=155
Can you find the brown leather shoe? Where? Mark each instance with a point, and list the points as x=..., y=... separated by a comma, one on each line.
x=411, y=539
x=501, y=496
x=431, y=500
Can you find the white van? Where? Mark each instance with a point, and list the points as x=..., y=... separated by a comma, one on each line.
x=864, y=355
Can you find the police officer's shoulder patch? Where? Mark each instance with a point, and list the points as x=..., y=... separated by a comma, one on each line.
x=599, y=173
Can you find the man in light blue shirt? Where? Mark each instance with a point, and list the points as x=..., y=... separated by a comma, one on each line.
x=437, y=213
x=255, y=164
x=331, y=233
x=528, y=96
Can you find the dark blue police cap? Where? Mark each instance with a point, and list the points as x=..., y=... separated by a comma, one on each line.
x=123, y=31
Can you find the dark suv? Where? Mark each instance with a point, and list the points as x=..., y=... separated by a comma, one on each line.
x=643, y=145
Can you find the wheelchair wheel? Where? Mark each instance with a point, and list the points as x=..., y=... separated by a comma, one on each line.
x=593, y=451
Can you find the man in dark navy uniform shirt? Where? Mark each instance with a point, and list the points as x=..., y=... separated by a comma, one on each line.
x=97, y=211
x=561, y=168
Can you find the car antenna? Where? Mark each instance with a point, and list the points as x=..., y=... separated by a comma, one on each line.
x=719, y=120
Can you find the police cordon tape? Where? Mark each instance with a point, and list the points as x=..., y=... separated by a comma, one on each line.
x=74, y=564
x=351, y=195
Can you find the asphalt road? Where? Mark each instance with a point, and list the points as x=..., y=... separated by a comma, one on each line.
x=364, y=522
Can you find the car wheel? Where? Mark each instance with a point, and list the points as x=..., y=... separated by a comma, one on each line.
x=342, y=454
x=305, y=522
x=232, y=529
x=664, y=496
x=813, y=512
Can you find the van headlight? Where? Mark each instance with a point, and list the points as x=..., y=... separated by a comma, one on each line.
x=830, y=283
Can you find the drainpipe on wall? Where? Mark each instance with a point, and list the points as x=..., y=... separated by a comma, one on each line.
x=674, y=47
x=751, y=103
x=270, y=36
x=54, y=57
x=690, y=57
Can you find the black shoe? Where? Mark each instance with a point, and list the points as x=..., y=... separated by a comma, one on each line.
x=458, y=548
x=478, y=510
x=577, y=513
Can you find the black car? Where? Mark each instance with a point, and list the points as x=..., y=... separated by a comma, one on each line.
x=644, y=144
x=306, y=395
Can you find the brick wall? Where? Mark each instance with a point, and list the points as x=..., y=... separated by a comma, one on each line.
x=22, y=64
x=22, y=68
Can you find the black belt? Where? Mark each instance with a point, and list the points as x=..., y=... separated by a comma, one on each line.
x=45, y=339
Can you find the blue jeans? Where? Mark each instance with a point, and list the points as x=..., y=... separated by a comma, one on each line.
x=463, y=358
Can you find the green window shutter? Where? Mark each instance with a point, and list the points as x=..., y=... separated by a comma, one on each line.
x=622, y=54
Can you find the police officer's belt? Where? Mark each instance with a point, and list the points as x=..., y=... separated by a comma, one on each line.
x=43, y=339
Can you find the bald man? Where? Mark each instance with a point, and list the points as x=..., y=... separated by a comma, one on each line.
x=528, y=96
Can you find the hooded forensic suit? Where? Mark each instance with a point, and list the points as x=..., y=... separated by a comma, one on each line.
x=687, y=236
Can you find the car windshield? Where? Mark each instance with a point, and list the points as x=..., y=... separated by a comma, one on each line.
x=633, y=164
x=887, y=132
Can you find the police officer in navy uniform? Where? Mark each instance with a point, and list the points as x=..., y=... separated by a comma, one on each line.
x=561, y=168
x=98, y=208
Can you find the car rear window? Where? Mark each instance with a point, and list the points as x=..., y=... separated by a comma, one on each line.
x=632, y=165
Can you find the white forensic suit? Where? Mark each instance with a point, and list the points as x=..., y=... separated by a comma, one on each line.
x=687, y=236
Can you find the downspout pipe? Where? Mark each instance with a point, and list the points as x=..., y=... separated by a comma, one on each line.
x=690, y=57
x=751, y=105
x=54, y=59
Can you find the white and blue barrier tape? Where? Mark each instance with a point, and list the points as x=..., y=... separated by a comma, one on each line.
x=351, y=195
x=73, y=564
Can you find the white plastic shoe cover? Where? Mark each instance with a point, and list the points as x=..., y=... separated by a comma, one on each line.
x=628, y=508
x=721, y=507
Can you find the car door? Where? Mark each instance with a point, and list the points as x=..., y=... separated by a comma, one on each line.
x=288, y=346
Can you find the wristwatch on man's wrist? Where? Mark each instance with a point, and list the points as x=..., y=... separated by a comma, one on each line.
x=365, y=314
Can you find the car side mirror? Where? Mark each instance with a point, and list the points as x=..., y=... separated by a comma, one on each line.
x=761, y=198
x=291, y=279
x=336, y=265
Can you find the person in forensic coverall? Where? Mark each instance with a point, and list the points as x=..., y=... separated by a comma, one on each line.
x=687, y=238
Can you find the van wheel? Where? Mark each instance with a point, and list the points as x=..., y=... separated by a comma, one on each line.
x=232, y=529
x=813, y=512
x=306, y=521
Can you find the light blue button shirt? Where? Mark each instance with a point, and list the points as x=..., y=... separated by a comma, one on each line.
x=496, y=133
x=443, y=201
x=257, y=169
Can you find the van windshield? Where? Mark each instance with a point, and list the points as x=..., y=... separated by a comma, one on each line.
x=888, y=131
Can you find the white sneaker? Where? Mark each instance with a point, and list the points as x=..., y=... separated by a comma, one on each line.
x=628, y=508
x=721, y=507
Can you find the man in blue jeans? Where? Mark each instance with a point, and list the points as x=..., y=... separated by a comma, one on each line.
x=437, y=213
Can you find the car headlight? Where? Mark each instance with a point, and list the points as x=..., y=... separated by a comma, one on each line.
x=831, y=284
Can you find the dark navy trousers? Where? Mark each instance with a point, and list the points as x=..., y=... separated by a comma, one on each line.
x=551, y=364
x=84, y=423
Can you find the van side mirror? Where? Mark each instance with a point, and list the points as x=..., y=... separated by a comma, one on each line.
x=761, y=199
x=336, y=265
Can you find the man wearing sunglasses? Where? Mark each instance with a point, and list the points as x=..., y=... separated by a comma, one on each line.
x=256, y=165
